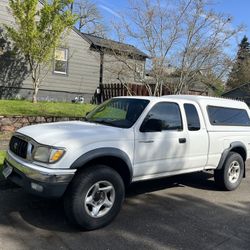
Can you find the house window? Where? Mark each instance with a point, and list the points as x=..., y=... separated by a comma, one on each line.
x=61, y=61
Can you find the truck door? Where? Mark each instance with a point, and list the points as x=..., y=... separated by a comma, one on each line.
x=158, y=152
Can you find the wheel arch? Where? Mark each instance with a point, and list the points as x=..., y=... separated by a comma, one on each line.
x=112, y=157
x=237, y=147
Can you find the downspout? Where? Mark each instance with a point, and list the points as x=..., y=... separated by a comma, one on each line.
x=101, y=67
x=100, y=96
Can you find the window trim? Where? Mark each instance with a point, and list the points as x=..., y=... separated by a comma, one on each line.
x=226, y=124
x=67, y=62
x=178, y=106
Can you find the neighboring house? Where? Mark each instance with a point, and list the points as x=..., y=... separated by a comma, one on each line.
x=119, y=61
x=239, y=93
x=201, y=88
x=80, y=65
x=195, y=87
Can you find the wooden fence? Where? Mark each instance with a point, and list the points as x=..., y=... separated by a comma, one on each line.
x=112, y=90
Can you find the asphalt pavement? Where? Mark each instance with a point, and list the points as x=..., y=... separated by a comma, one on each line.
x=184, y=212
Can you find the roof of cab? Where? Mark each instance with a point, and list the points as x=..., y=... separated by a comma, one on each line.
x=208, y=100
x=202, y=100
x=150, y=98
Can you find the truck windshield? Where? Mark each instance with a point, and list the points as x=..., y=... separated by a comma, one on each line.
x=118, y=112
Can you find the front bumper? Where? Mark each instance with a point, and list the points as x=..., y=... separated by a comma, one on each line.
x=46, y=182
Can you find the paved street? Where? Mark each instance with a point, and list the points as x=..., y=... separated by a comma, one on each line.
x=176, y=213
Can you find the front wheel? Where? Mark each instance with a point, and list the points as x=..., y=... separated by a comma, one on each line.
x=94, y=197
x=231, y=174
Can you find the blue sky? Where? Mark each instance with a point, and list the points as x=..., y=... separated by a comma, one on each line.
x=238, y=9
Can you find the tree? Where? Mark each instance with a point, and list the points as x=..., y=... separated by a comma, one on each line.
x=240, y=73
x=13, y=67
x=186, y=34
x=38, y=32
x=90, y=19
x=129, y=66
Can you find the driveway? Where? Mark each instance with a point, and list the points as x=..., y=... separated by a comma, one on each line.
x=185, y=212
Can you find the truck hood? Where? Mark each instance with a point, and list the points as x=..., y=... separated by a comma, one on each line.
x=61, y=133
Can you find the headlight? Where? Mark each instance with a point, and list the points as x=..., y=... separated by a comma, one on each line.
x=48, y=154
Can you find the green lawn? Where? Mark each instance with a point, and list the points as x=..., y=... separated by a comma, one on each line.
x=2, y=155
x=26, y=108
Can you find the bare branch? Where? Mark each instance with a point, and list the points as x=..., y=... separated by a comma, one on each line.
x=90, y=19
x=184, y=35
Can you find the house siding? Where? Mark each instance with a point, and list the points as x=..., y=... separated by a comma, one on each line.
x=83, y=68
x=112, y=67
x=5, y=16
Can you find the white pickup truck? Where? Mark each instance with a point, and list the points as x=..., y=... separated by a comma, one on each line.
x=129, y=139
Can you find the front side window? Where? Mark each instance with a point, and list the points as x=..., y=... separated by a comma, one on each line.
x=61, y=61
x=228, y=116
x=168, y=113
x=192, y=117
x=118, y=112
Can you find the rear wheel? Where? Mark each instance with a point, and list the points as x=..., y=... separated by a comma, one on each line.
x=94, y=197
x=231, y=174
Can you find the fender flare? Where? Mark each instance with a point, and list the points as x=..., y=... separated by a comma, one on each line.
x=103, y=152
x=225, y=153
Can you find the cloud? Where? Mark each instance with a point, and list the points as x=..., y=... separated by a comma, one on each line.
x=109, y=10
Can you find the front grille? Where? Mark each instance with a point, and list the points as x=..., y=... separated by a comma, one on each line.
x=18, y=146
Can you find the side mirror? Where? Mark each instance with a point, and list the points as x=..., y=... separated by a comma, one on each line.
x=151, y=125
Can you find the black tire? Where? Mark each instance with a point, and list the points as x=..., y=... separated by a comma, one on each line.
x=222, y=178
x=75, y=206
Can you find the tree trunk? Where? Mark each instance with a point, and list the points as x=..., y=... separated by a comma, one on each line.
x=36, y=83
x=34, y=96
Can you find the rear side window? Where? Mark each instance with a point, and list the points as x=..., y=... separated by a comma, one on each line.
x=192, y=117
x=228, y=116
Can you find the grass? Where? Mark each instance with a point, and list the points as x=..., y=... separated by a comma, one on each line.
x=27, y=108
x=2, y=155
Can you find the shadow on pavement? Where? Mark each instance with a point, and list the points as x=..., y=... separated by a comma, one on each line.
x=200, y=180
x=157, y=214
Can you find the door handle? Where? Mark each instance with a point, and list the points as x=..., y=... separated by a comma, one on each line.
x=150, y=141
x=182, y=140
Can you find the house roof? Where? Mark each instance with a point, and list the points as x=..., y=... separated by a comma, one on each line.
x=239, y=87
x=97, y=41
x=100, y=42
